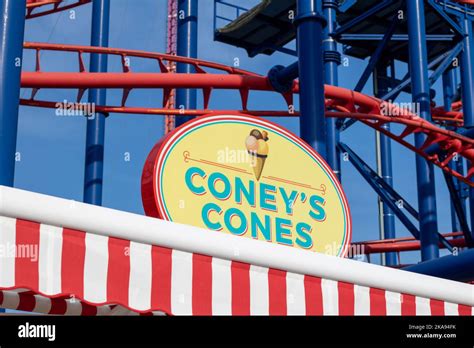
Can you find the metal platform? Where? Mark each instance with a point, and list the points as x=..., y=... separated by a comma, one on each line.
x=267, y=28
x=366, y=22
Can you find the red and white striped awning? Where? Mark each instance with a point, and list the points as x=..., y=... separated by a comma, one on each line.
x=28, y=301
x=183, y=270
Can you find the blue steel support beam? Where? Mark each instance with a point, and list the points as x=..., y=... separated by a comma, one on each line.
x=388, y=194
x=376, y=55
x=467, y=74
x=449, y=88
x=455, y=8
x=454, y=267
x=471, y=205
x=418, y=65
x=456, y=188
x=346, y=5
x=443, y=12
x=372, y=11
x=397, y=37
x=403, y=86
x=94, y=166
x=11, y=53
x=381, y=88
x=187, y=47
x=446, y=63
x=460, y=213
x=11, y=56
x=449, y=91
x=310, y=26
x=448, y=96
x=408, y=80
x=462, y=189
x=374, y=181
x=467, y=88
x=332, y=60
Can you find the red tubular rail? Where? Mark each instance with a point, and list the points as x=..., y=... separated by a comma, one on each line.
x=142, y=80
x=340, y=102
x=404, y=247
x=453, y=118
x=401, y=245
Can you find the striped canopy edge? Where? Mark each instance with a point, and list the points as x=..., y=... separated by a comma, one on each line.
x=65, y=271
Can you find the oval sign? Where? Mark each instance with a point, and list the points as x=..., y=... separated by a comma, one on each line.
x=248, y=177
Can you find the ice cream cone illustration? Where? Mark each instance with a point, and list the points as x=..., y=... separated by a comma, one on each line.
x=257, y=147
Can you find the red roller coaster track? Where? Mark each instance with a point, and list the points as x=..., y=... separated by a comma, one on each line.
x=402, y=244
x=38, y=8
x=340, y=102
x=453, y=117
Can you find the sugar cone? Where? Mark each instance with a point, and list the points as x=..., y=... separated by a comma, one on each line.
x=258, y=167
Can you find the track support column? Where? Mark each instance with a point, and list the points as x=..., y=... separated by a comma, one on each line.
x=418, y=65
x=187, y=47
x=449, y=91
x=332, y=60
x=467, y=86
x=449, y=88
x=467, y=73
x=310, y=26
x=11, y=55
x=94, y=166
x=384, y=163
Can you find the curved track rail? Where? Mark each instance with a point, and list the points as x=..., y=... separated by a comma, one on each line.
x=452, y=118
x=39, y=8
x=340, y=102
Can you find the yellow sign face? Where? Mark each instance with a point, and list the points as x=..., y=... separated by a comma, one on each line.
x=248, y=177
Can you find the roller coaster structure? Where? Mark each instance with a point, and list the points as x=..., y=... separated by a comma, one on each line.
x=443, y=133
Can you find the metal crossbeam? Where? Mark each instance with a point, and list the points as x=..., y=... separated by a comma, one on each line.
x=442, y=11
x=376, y=55
x=448, y=61
x=375, y=181
x=460, y=213
x=382, y=5
x=442, y=62
x=370, y=176
x=455, y=8
x=397, y=37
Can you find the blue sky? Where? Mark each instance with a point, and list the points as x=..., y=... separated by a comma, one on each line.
x=52, y=147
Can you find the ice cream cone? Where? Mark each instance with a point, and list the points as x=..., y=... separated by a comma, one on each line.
x=257, y=147
x=258, y=167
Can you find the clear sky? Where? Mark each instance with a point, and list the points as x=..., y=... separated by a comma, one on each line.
x=52, y=148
